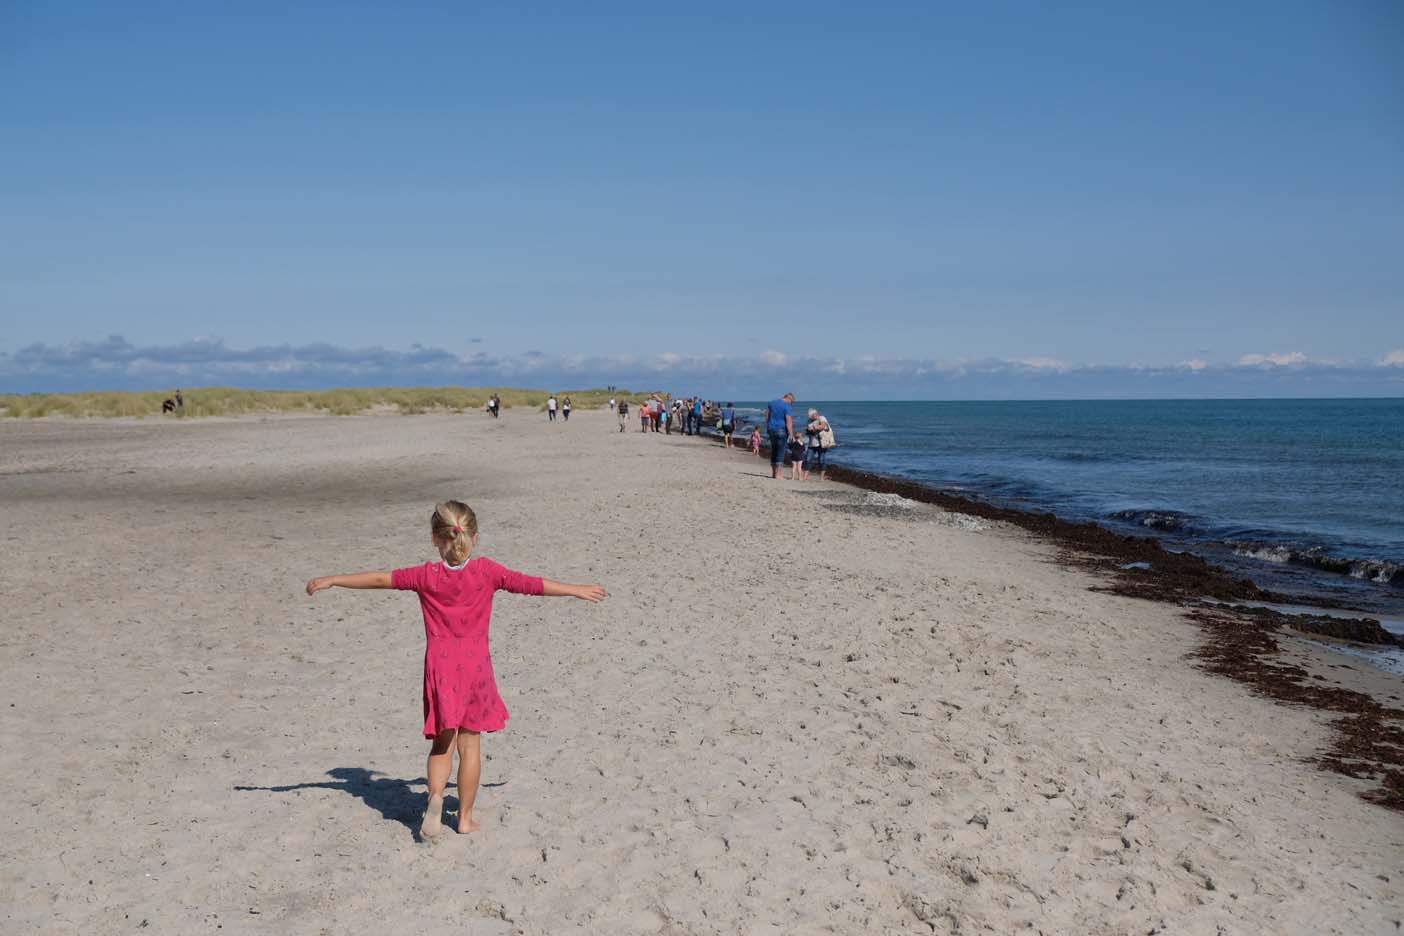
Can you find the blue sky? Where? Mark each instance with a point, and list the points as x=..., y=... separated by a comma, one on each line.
x=892, y=200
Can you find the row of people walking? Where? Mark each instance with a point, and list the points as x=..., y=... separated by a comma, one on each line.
x=657, y=415
x=805, y=449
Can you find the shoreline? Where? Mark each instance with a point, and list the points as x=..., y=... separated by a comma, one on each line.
x=1241, y=642
x=1183, y=574
x=1301, y=540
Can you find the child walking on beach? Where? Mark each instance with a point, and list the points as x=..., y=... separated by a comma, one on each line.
x=460, y=692
x=755, y=441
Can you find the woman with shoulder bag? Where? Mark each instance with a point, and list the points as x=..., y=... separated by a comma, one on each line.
x=821, y=439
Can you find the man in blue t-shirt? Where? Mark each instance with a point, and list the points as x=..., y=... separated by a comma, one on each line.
x=780, y=426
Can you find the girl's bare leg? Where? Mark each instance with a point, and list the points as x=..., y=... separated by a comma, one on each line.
x=437, y=770
x=469, y=768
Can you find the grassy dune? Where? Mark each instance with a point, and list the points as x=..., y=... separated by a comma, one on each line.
x=231, y=401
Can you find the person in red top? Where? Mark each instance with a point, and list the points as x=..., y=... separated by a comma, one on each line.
x=460, y=691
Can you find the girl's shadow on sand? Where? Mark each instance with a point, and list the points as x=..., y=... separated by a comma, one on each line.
x=394, y=799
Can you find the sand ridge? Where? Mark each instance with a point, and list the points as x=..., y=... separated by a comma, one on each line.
x=798, y=712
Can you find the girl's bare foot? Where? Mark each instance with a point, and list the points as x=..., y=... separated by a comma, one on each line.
x=467, y=824
x=433, y=818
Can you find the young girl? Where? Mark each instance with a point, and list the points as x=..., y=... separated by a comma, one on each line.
x=755, y=441
x=460, y=693
x=796, y=453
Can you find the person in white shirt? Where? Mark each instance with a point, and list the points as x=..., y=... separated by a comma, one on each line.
x=551, y=409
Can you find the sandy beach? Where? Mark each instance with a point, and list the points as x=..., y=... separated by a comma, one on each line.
x=804, y=708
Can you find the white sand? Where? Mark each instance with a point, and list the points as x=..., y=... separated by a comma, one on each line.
x=790, y=717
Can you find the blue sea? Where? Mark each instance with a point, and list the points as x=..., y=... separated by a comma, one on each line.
x=1303, y=496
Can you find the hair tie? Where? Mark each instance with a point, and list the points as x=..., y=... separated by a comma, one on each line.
x=457, y=530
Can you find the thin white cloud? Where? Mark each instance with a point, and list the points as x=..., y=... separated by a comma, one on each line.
x=115, y=363
x=1289, y=359
x=1044, y=364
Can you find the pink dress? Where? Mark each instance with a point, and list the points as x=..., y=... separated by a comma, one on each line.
x=459, y=688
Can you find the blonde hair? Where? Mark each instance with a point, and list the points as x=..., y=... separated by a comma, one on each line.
x=454, y=523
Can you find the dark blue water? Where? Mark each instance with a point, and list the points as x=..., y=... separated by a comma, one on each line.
x=1305, y=496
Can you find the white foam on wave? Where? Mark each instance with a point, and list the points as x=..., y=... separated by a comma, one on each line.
x=1379, y=571
x=1278, y=554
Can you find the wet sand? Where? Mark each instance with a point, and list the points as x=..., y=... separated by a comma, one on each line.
x=805, y=708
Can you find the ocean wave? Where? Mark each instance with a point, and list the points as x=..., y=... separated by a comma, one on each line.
x=1083, y=457
x=1379, y=571
x=1172, y=520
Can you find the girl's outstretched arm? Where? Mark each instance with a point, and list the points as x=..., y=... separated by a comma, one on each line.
x=594, y=593
x=355, y=580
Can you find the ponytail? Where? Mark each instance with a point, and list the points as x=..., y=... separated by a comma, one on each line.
x=455, y=523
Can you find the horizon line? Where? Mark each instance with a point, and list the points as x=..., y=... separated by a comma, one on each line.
x=625, y=391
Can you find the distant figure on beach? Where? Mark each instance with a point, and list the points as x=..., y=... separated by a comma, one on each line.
x=173, y=403
x=644, y=413
x=696, y=415
x=780, y=427
x=755, y=441
x=728, y=424
x=565, y=409
x=551, y=408
x=820, y=436
x=494, y=405
x=460, y=691
x=623, y=413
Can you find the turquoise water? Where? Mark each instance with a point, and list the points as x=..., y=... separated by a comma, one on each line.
x=1305, y=496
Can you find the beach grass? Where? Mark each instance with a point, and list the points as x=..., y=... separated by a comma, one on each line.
x=233, y=401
